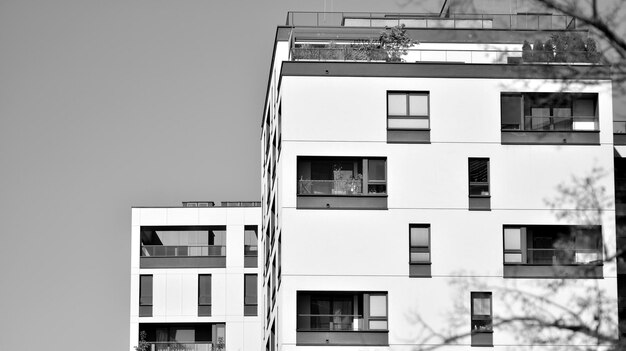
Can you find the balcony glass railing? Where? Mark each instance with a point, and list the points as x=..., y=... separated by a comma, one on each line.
x=571, y=123
x=177, y=251
x=185, y=346
x=563, y=256
x=250, y=250
x=619, y=127
x=354, y=53
x=430, y=20
x=331, y=322
x=330, y=187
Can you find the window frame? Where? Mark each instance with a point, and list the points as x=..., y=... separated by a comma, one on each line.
x=408, y=116
x=469, y=179
x=245, y=290
x=363, y=161
x=141, y=288
x=204, y=308
x=420, y=249
x=474, y=317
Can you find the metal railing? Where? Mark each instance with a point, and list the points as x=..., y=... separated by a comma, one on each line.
x=331, y=322
x=250, y=250
x=182, y=251
x=430, y=20
x=185, y=346
x=619, y=127
x=354, y=53
x=551, y=123
x=563, y=256
x=331, y=187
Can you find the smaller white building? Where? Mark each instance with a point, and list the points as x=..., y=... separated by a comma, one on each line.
x=194, y=277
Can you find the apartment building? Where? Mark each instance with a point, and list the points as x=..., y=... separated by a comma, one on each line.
x=195, y=274
x=457, y=194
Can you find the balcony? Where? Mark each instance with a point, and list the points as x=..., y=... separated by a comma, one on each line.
x=183, y=247
x=185, y=346
x=549, y=118
x=357, y=318
x=341, y=182
x=430, y=20
x=545, y=251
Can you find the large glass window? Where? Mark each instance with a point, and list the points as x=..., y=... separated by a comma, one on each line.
x=164, y=241
x=204, y=295
x=549, y=111
x=250, y=240
x=342, y=311
x=407, y=110
x=250, y=295
x=552, y=245
x=342, y=176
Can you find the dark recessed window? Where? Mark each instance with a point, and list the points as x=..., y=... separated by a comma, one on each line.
x=479, y=192
x=204, y=295
x=482, y=319
x=145, y=296
x=250, y=295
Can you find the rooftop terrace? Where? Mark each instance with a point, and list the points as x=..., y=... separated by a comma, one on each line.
x=520, y=21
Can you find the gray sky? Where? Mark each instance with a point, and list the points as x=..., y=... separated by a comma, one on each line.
x=110, y=104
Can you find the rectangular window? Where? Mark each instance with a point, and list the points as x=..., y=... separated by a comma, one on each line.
x=342, y=182
x=479, y=193
x=204, y=295
x=325, y=316
x=250, y=245
x=482, y=319
x=250, y=295
x=145, y=296
x=183, y=241
x=419, y=250
x=408, y=116
x=552, y=251
x=549, y=118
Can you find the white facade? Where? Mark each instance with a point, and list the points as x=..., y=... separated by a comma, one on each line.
x=318, y=110
x=175, y=296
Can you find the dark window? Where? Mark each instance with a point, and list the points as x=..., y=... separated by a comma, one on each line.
x=250, y=295
x=341, y=311
x=479, y=177
x=482, y=318
x=549, y=111
x=342, y=176
x=552, y=245
x=145, y=290
x=171, y=241
x=408, y=110
x=250, y=245
x=145, y=296
x=204, y=295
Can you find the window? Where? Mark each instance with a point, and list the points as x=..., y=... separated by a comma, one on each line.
x=563, y=113
x=342, y=182
x=145, y=296
x=194, y=246
x=552, y=251
x=250, y=295
x=408, y=116
x=250, y=248
x=479, y=193
x=482, y=319
x=419, y=250
x=204, y=295
x=336, y=312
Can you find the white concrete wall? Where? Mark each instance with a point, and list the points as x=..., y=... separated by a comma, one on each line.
x=175, y=290
x=367, y=250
